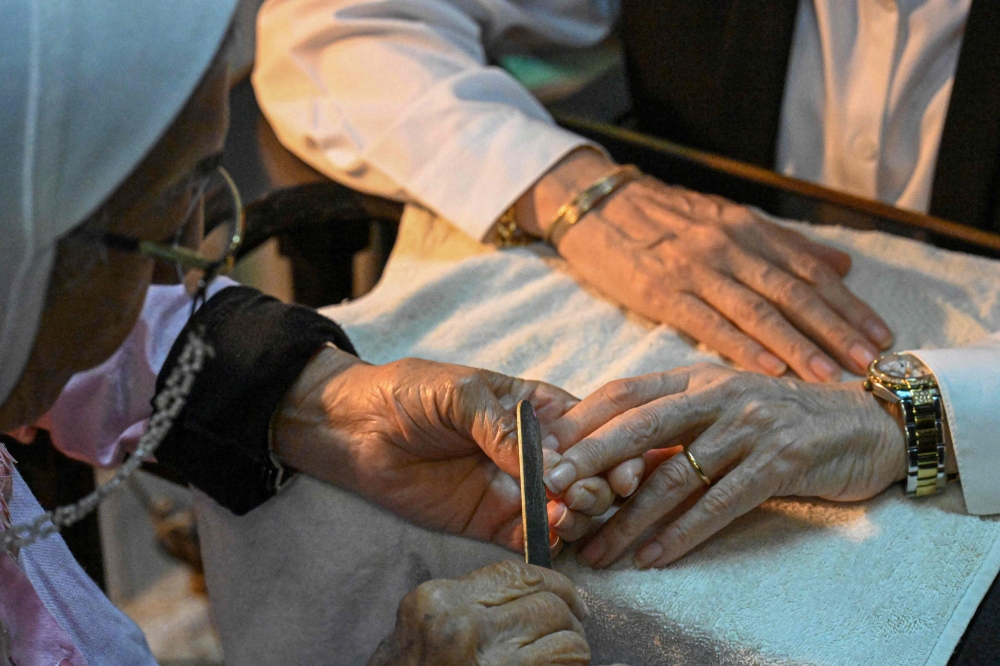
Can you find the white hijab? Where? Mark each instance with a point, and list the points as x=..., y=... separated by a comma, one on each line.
x=87, y=87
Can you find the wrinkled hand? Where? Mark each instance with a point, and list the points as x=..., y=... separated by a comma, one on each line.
x=760, y=294
x=755, y=437
x=434, y=443
x=506, y=613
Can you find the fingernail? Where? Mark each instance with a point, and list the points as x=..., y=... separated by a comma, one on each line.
x=560, y=478
x=861, y=355
x=561, y=513
x=593, y=553
x=584, y=500
x=771, y=364
x=878, y=332
x=550, y=458
x=824, y=368
x=585, y=608
x=550, y=442
x=645, y=557
x=632, y=486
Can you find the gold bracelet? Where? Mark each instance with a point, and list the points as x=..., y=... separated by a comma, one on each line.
x=508, y=234
x=570, y=213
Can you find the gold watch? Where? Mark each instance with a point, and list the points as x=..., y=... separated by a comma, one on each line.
x=904, y=380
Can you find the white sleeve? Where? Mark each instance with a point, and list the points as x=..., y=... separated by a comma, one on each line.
x=969, y=379
x=394, y=97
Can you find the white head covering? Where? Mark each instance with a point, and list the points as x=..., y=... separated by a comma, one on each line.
x=87, y=87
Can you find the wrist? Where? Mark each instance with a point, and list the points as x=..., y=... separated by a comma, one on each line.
x=536, y=209
x=887, y=421
x=305, y=405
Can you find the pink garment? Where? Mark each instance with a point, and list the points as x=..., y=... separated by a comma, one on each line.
x=52, y=613
x=101, y=413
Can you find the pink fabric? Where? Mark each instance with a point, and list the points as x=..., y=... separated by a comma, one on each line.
x=101, y=413
x=98, y=418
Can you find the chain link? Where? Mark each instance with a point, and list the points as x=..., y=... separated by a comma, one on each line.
x=168, y=404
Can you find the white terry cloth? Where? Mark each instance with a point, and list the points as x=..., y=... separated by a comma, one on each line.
x=314, y=575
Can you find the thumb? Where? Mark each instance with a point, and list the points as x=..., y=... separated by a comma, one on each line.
x=491, y=425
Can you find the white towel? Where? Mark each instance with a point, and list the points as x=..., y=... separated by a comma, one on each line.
x=313, y=576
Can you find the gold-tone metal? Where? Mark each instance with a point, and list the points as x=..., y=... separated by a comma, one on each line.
x=571, y=212
x=923, y=417
x=508, y=234
x=697, y=468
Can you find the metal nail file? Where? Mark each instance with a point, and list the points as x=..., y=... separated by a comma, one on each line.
x=534, y=512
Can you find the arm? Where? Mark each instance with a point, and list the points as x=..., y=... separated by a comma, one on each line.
x=426, y=120
x=396, y=97
x=969, y=380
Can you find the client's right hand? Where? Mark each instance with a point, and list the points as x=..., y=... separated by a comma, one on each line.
x=506, y=613
x=432, y=442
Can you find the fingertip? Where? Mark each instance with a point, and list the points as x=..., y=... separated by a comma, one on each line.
x=771, y=364
x=878, y=332
x=824, y=369
x=648, y=555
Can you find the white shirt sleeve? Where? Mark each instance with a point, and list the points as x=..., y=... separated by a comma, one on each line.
x=969, y=379
x=395, y=97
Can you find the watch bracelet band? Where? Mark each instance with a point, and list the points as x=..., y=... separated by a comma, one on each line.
x=570, y=213
x=925, y=448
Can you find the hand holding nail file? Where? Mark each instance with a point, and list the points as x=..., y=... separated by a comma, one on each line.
x=534, y=514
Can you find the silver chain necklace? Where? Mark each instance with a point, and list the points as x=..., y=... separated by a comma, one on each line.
x=168, y=404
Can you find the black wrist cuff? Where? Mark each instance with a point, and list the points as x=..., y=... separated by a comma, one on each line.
x=219, y=441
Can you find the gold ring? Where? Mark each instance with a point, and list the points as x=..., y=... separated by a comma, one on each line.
x=697, y=468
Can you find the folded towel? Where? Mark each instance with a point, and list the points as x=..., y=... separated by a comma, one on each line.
x=314, y=575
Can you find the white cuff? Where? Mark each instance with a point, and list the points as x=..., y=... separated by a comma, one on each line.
x=969, y=379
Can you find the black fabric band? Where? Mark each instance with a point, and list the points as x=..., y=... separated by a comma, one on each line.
x=219, y=441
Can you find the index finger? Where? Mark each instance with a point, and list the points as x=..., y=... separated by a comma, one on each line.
x=652, y=426
x=509, y=580
x=613, y=399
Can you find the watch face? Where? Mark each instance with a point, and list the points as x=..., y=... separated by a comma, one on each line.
x=901, y=366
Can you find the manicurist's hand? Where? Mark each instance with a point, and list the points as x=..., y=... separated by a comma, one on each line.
x=434, y=443
x=762, y=295
x=754, y=436
x=506, y=613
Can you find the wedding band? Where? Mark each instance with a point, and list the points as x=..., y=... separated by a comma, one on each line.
x=697, y=468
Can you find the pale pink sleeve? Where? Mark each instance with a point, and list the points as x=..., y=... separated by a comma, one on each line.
x=102, y=412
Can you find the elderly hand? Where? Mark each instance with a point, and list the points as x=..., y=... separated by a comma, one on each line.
x=763, y=295
x=506, y=613
x=434, y=443
x=754, y=436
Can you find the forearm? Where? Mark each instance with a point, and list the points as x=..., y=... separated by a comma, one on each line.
x=428, y=121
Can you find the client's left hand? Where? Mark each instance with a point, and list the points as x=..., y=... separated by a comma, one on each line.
x=754, y=436
x=432, y=442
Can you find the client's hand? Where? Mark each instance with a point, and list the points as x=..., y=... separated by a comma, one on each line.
x=754, y=436
x=506, y=613
x=433, y=443
x=765, y=296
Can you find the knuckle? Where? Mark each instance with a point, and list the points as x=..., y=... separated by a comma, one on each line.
x=454, y=628
x=719, y=500
x=795, y=293
x=621, y=393
x=668, y=477
x=641, y=426
x=429, y=599
x=753, y=309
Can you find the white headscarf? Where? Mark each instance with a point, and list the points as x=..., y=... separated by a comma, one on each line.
x=87, y=87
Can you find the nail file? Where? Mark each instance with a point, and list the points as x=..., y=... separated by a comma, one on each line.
x=534, y=512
